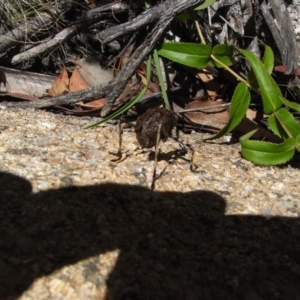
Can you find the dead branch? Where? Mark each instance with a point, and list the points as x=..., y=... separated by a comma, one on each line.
x=166, y=13
x=61, y=37
x=282, y=30
x=141, y=21
x=15, y=36
x=89, y=18
x=276, y=17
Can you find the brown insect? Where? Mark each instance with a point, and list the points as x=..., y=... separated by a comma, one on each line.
x=153, y=126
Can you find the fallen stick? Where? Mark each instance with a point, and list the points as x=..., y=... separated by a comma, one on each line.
x=166, y=12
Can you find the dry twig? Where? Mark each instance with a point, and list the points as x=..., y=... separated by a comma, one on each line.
x=165, y=13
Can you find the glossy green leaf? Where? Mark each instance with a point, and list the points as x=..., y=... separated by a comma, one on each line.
x=239, y=105
x=265, y=153
x=275, y=126
x=297, y=143
x=268, y=62
x=224, y=53
x=188, y=54
x=268, y=59
x=293, y=105
x=252, y=80
x=270, y=92
x=206, y=4
x=283, y=124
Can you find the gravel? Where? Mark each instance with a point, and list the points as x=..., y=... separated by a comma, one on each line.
x=76, y=225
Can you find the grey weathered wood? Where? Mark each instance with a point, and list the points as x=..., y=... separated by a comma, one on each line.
x=17, y=35
x=277, y=19
x=166, y=12
x=282, y=30
x=89, y=18
x=161, y=16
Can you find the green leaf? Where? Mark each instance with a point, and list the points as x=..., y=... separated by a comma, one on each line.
x=284, y=124
x=206, y=4
x=268, y=59
x=270, y=92
x=292, y=105
x=297, y=143
x=268, y=62
x=188, y=54
x=121, y=110
x=160, y=79
x=265, y=153
x=224, y=53
x=252, y=79
x=276, y=127
x=185, y=16
x=239, y=105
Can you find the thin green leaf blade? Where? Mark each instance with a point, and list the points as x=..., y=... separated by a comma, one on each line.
x=188, y=54
x=270, y=92
x=160, y=79
x=224, y=53
x=121, y=110
x=239, y=105
x=265, y=153
x=206, y=4
x=129, y=104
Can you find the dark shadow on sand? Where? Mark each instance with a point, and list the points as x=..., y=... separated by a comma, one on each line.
x=172, y=245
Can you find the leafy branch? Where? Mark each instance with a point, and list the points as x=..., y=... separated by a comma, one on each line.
x=259, y=79
x=280, y=121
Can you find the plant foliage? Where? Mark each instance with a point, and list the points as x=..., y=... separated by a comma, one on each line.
x=259, y=79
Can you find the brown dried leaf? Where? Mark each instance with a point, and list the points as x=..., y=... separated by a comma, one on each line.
x=212, y=86
x=153, y=85
x=205, y=76
x=60, y=85
x=214, y=117
x=143, y=78
x=92, y=72
x=77, y=83
x=93, y=4
x=93, y=104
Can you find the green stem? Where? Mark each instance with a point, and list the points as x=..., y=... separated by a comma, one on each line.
x=200, y=33
x=237, y=76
